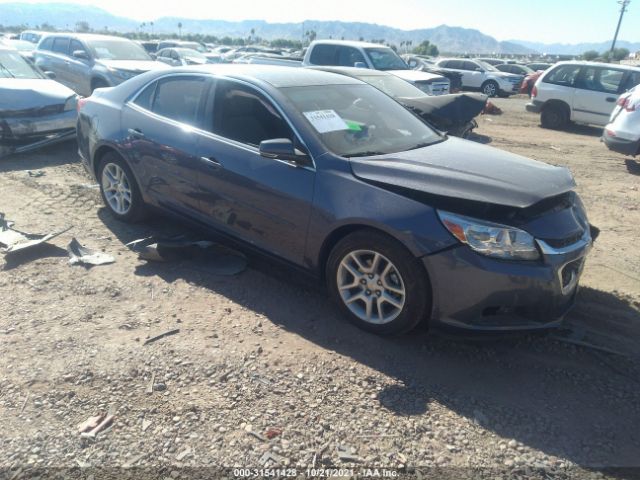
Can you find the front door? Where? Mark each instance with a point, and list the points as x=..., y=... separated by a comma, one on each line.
x=263, y=201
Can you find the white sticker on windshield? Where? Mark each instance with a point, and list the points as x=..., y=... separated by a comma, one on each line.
x=326, y=121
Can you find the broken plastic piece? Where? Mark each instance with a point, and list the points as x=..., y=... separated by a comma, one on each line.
x=84, y=255
x=12, y=240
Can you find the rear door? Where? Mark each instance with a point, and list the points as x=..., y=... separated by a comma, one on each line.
x=162, y=127
x=263, y=201
x=597, y=89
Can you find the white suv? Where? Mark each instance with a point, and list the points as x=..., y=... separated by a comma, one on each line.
x=581, y=92
x=622, y=133
x=479, y=75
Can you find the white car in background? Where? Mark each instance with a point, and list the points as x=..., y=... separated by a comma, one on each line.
x=622, y=133
x=580, y=92
x=478, y=75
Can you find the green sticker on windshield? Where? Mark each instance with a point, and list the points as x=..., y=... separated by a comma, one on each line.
x=355, y=126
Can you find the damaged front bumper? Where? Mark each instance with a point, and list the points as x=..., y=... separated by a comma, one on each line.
x=23, y=133
x=476, y=292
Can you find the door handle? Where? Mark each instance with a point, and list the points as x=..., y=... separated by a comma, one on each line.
x=135, y=133
x=611, y=99
x=212, y=161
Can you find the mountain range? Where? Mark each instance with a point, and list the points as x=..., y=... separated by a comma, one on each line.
x=64, y=16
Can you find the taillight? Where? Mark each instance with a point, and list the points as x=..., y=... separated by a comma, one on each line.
x=81, y=102
x=534, y=92
x=625, y=102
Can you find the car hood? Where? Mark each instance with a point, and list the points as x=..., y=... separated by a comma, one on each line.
x=466, y=170
x=23, y=94
x=416, y=75
x=134, y=65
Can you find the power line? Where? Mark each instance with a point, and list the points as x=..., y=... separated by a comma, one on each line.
x=623, y=8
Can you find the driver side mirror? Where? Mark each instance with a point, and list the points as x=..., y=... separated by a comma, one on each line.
x=81, y=54
x=360, y=65
x=50, y=75
x=283, y=149
x=478, y=69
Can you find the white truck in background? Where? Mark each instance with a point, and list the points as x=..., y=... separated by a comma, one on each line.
x=345, y=53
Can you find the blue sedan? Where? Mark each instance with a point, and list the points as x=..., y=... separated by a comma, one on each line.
x=332, y=176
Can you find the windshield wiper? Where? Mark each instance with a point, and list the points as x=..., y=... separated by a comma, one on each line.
x=363, y=154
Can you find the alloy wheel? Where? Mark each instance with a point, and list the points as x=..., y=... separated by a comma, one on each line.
x=490, y=89
x=371, y=286
x=116, y=188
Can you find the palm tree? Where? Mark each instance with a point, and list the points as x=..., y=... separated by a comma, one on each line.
x=180, y=29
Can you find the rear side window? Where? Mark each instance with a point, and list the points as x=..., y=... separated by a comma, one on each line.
x=323, y=55
x=61, y=45
x=244, y=115
x=456, y=64
x=178, y=98
x=599, y=79
x=47, y=44
x=145, y=99
x=563, y=75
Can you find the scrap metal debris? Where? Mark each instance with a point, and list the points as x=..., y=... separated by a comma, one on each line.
x=36, y=173
x=162, y=335
x=491, y=109
x=214, y=258
x=79, y=254
x=12, y=240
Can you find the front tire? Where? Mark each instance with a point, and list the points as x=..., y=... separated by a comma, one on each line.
x=377, y=283
x=490, y=88
x=119, y=190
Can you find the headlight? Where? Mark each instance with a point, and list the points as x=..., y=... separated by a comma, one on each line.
x=122, y=74
x=71, y=103
x=491, y=239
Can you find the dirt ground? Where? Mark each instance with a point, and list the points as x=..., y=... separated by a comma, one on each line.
x=265, y=372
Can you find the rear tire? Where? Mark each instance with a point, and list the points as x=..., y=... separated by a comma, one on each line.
x=554, y=117
x=119, y=189
x=377, y=283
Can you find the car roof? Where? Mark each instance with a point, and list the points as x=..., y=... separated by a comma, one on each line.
x=351, y=43
x=85, y=36
x=599, y=64
x=275, y=75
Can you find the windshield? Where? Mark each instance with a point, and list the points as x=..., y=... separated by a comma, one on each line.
x=393, y=86
x=117, y=50
x=359, y=120
x=188, y=52
x=193, y=46
x=12, y=65
x=385, y=59
x=487, y=66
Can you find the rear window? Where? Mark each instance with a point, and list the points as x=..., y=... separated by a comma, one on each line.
x=47, y=44
x=61, y=45
x=323, y=55
x=563, y=75
x=178, y=98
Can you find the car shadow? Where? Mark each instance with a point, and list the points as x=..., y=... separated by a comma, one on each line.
x=633, y=167
x=51, y=156
x=559, y=398
x=584, y=130
x=479, y=138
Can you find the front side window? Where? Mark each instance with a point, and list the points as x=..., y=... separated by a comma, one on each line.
x=244, y=115
x=359, y=120
x=633, y=79
x=564, y=75
x=75, y=46
x=385, y=59
x=599, y=79
x=348, y=57
x=178, y=98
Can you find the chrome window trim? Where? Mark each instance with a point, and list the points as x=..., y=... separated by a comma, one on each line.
x=130, y=103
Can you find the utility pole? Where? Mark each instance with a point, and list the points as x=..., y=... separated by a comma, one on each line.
x=623, y=8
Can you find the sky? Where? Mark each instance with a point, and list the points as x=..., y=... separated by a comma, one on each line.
x=548, y=21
